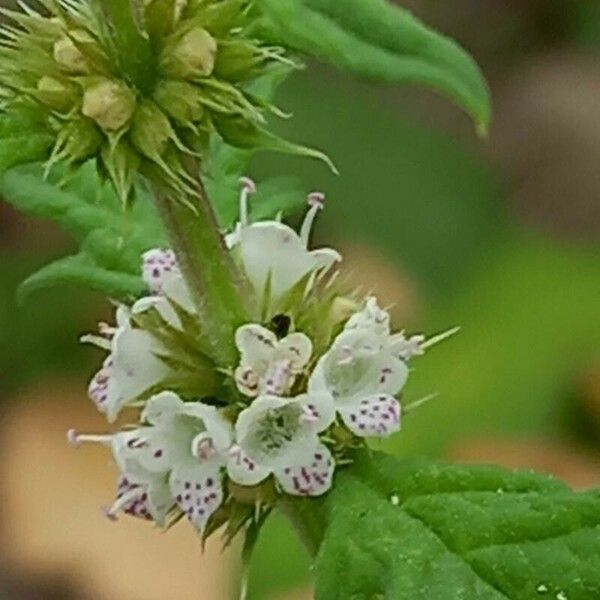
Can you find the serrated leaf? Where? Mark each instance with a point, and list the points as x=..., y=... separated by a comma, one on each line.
x=411, y=530
x=111, y=240
x=381, y=41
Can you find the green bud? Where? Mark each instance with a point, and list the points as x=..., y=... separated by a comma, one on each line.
x=83, y=140
x=237, y=60
x=69, y=57
x=56, y=94
x=192, y=55
x=181, y=101
x=110, y=103
x=150, y=130
x=121, y=163
x=342, y=309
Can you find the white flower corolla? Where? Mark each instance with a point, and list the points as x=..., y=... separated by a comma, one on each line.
x=279, y=436
x=363, y=371
x=162, y=275
x=175, y=458
x=272, y=255
x=132, y=366
x=269, y=366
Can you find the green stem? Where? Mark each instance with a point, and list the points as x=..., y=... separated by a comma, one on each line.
x=213, y=280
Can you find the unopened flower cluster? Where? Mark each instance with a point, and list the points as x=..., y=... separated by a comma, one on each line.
x=139, y=112
x=318, y=373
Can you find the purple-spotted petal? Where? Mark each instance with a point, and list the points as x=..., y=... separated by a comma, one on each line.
x=313, y=479
x=98, y=388
x=137, y=495
x=198, y=492
x=375, y=416
x=243, y=470
x=156, y=266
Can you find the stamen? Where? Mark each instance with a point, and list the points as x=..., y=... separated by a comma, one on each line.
x=418, y=403
x=75, y=440
x=113, y=511
x=316, y=202
x=106, y=329
x=248, y=188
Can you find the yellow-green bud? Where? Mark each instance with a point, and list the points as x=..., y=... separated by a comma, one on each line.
x=69, y=57
x=56, y=94
x=192, y=55
x=237, y=60
x=342, y=309
x=150, y=130
x=110, y=103
x=181, y=101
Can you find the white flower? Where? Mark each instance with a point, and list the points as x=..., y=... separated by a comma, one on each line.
x=272, y=255
x=133, y=367
x=176, y=459
x=279, y=436
x=268, y=365
x=363, y=372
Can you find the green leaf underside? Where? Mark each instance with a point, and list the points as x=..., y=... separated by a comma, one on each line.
x=454, y=532
x=383, y=42
x=111, y=240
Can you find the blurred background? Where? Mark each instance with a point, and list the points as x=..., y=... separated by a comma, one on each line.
x=500, y=236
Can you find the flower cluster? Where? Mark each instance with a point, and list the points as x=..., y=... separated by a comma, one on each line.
x=139, y=108
x=279, y=421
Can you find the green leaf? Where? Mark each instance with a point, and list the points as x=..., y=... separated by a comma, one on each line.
x=417, y=530
x=381, y=41
x=22, y=140
x=243, y=134
x=111, y=240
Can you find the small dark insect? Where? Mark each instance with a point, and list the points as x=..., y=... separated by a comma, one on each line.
x=214, y=401
x=280, y=325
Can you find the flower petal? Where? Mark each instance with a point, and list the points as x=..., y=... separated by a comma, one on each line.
x=162, y=408
x=272, y=249
x=138, y=505
x=319, y=410
x=312, y=479
x=371, y=318
x=243, y=470
x=295, y=348
x=148, y=449
x=256, y=345
x=98, y=388
x=156, y=265
x=375, y=416
x=198, y=492
x=135, y=368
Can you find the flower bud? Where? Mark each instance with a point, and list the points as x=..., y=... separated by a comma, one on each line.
x=237, y=60
x=150, y=130
x=56, y=94
x=192, y=55
x=180, y=100
x=69, y=57
x=110, y=103
x=342, y=309
x=83, y=140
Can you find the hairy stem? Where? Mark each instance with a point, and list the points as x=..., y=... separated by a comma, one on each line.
x=213, y=280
